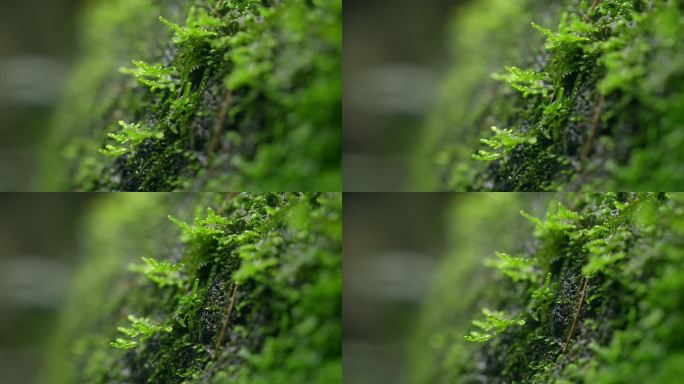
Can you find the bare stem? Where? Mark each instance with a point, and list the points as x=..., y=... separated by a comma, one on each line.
x=591, y=10
x=586, y=150
x=577, y=311
x=218, y=128
x=219, y=5
x=226, y=321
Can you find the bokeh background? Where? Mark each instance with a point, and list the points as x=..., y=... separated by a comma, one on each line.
x=395, y=53
x=392, y=243
x=390, y=78
x=36, y=50
x=405, y=254
x=45, y=240
x=38, y=254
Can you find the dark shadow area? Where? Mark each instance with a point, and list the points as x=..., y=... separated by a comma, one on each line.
x=38, y=252
x=392, y=243
x=404, y=252
x=394, y=54
x=37, y=45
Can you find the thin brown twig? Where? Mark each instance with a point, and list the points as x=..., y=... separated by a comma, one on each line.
x=591, y=10
x=218, y=128
x=586, y=150
x=224, y=205
x=577, y=311
x=226, y=321
x=218, y=6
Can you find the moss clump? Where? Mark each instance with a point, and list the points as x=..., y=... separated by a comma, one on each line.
x=202, y=95
x=594, y=295
x=249, y=291
x=594, y=86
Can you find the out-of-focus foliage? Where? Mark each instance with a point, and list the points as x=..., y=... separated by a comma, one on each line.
x=215, y=95
x=480, y=225
x=249, y=291
x=596, y=84
x=599, y=301
x=140, y=330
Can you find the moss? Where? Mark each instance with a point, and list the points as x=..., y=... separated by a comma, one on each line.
x=592, y=294
x=596, y=87
x=247, y=291
x=224, y=96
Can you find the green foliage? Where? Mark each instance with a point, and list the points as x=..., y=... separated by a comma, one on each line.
x=604, y=252
x=567, y=47
x=604, y=68
x=493, y=223
x=541, y=300
x=494, y=324
x=130, y=136
x=567, y=38
x=558, y=221
x=246, y=96
x=204, y=228
x=140, y=330
x=517, y=268
x=197, y=30
x=162, y=272
x=249, y=286
x=527, y=82
x=602, y=306
x=188, y=305
x=155, y=77
x=504, y=139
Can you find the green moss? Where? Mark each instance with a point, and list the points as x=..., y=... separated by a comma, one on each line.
x=216, y=95
x=246, y=292
x=592, y=297
x=597, y=85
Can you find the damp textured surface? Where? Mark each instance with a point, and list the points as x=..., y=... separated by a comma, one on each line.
x=589, y=291
x=205, y=288
x=560, y=95
x=201, y=95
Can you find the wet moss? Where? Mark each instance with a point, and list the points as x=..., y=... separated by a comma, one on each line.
x=594, y=85
x=248, y=290
x=592, y=295
x=226, y=95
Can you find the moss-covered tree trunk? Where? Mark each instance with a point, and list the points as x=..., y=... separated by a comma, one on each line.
x=234, y=288
x=591, y=292
x=208, y=95
x=560, y=95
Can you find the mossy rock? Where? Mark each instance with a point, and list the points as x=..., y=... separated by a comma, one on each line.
x=590, y=292
x=202, y=95
x=584, y=95
x=247, y=291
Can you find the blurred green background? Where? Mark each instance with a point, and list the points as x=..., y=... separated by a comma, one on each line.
x=45, y=240
x=406, y=254
x=395, y=52
x=36, y=50
x=38, y=252
x=391, y=242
